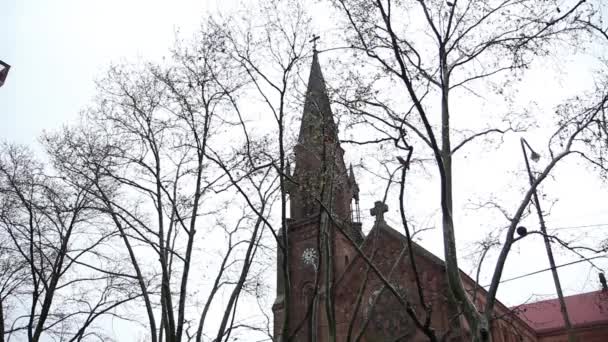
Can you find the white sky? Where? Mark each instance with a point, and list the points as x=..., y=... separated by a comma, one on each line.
x=58, y=48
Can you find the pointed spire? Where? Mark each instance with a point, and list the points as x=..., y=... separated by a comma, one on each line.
x=351, y=174
x=318, y=149
x=317, y=120
x=353, y=182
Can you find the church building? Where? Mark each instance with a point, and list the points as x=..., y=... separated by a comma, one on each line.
x=329, y=257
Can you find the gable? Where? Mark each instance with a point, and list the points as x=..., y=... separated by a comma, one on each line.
x=389, y=245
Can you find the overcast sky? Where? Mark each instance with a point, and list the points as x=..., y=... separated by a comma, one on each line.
x=58, y=48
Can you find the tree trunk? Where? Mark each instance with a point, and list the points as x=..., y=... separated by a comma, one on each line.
x=1, y=321
x=478, y=324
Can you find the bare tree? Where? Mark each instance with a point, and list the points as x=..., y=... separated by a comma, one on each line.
x=457, y=47
x=168, y=153
x=153, y=157
x=12, y=275
x=270, y=54
x=54, y=254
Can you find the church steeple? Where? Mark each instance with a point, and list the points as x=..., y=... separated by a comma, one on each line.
x=319, y=177
x=320, y=170
x=317, y=120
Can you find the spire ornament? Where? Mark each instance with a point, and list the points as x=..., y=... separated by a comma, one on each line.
x=314, y=42
x=353, y=182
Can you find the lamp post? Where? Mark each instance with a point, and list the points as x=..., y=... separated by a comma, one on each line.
x=558, y=287
x=3, y=72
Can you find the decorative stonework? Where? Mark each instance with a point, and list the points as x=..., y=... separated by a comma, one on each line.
x=310, y=257
x=378, y=211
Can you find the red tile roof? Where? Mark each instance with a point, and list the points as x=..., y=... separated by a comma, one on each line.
x=585, y=310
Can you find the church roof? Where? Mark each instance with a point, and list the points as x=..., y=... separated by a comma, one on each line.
x=584, y=310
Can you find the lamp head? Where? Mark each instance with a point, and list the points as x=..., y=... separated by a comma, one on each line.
x=535, y=156
x=522, y=231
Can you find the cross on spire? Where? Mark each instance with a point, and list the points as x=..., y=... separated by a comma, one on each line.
x=314, y=42
x=378, y=210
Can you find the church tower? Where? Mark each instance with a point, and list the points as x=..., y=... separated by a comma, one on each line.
x=322, y=192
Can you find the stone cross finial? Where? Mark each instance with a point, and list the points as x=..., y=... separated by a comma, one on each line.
x=378, y=210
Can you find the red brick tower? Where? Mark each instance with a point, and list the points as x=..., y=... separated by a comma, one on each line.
x=321, y=196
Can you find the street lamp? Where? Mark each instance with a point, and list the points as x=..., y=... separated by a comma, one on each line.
x=558, y=287
x=533, y=155
x=3, y=72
